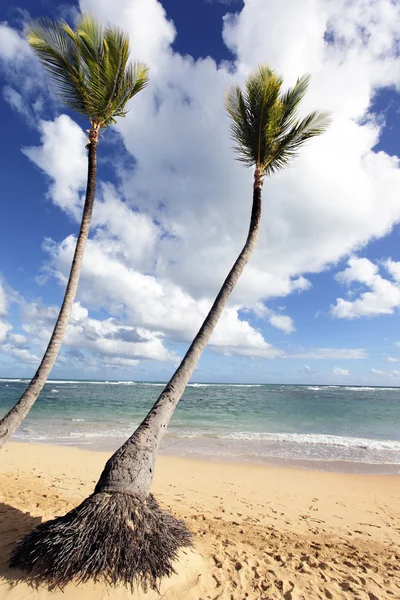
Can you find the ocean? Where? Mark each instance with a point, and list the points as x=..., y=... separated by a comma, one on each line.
x=344, y=428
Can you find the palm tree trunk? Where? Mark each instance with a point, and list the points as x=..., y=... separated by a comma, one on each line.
x=130, y=470
x=120, y=533
x=16, y=415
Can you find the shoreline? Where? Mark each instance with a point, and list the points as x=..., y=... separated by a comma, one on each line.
x=308, y=427
x=273, y=532
x=319, y=466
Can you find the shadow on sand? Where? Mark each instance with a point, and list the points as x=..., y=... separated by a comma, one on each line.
x=14, y=524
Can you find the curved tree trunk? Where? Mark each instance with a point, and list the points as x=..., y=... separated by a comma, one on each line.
x=120, y=533
x=16, y=415
x=130, y=470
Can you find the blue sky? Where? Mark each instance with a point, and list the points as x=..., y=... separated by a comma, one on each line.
x=318, y=302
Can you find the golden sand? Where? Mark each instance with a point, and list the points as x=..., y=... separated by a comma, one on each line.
x=261, y=532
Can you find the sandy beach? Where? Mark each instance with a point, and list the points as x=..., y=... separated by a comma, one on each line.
x=261, y=532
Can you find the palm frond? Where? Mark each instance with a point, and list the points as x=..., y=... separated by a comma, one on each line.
x=288, y=146
x=265, y=125
x=291, y=101
x=242, y=132
x=90, y=66
x=60, y=57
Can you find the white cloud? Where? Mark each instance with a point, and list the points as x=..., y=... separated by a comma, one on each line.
x=12, y=344
x=341, y=372
x=393, y=268
x=5, y=327
x=107, y=339
x=308, y=370
x=378, y=372
x=151, y=33
x=384, y=294
x=331, y=354
x=134, y=234
x=13, y=47
x=3, y=301
x=392, y=359
x=393, y=374
x=151, y=303
x=313, y=217
x=17, y=102
x=263, y=25
x=20, y=354
x=18, y=339
x=282, y=322
x=63, y=157
x=117, y=361
x=110, y=339
x=292, y=37
x=78, y=313
x=36, y=312
x=26, y=90
x=235, y=337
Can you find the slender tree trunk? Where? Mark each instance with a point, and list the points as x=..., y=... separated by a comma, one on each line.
x=120, y=533
x=16, y=415
x=130, y=470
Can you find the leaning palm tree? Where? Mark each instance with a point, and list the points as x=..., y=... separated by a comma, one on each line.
x=120, y=533
x=93, y=75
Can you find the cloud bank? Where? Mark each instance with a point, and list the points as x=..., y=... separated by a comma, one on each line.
x=170, y=224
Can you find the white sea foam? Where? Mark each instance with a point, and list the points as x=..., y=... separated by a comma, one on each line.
x=247, y=385
x=359, y=388
x=100, y=434
x=322, y=439
x=72, y=381
x=243, y=384
x=295, y=438
x=64, y=381
x=106, y=382
x=197, y=385
x=314, y=447
x=371, y=389
x=55, y=391
x=118, y=382
x=73, y=436
x=353, y=388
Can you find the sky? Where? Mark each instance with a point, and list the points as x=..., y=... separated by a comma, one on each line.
x=318, y=302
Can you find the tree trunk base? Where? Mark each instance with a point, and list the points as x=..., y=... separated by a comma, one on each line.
x=110, y=537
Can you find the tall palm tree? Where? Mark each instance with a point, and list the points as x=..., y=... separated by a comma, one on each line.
x=119, y=532
x=93, y=75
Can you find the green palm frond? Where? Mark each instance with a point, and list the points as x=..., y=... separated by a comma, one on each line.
x=60, y=57
x=89, y=65
x=265, y=125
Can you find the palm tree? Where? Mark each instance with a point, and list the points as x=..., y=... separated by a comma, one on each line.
x=119, y=532
x=93, y=75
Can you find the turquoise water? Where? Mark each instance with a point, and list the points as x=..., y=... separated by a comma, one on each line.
x=349, y=427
